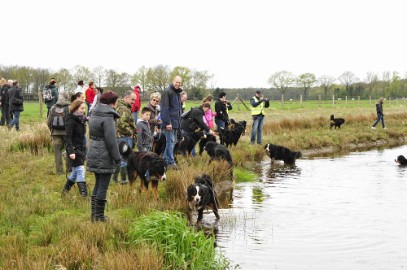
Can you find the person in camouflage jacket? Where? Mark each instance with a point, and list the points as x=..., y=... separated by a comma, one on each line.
x=125, y=130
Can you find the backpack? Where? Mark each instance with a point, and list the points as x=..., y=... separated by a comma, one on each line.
x=186, y=115
x=47, y=95
x=58, y=118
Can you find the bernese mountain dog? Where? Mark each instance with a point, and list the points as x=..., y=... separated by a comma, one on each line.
x=148, y=165
x=277, y=152
x=231, y=136
x=336, y=122
x=200, y=195
x=401, y=160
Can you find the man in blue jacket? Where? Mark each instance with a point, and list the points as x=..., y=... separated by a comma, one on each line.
x=171, y=109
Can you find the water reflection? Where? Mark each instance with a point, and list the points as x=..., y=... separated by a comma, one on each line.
x=336, y=212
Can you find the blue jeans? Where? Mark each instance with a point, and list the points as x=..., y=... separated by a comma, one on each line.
x=16, y=120
x=78, y=174
x=135, y=116
x=219, y=124
x=171, y=139
x=258, y=122
x=129, y=141
x=101, y=185
x=379, y=118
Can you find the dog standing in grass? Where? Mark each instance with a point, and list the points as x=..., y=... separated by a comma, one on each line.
x=336, y=122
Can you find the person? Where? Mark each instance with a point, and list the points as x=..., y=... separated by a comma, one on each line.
x=103, y=154
x=58, y=135
x=90, y=94
x=154, y=107
x=4, y=102
x=99, y=92
x=183, y=97
x=137, y=104
x=144, y=135
x=208, y=117
x=80, y=88
x=222, y=106
x=380, y=115
x=75, y=147
x=171, y=114
x=16, y=101
x=54, y=95
x=258, y=104
x=125, y=130
x=78, y=95
x=195, y=120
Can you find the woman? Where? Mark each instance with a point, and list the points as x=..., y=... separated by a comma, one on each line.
x=75, y=147
x=222, y=106
x=208, y=117
x=154, y=106
x=103, y=155
x=380, y=115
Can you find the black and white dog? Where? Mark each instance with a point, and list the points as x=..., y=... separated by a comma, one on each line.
x=202, y=194
x=401, y=160
x=336, y=122
x=277, y=152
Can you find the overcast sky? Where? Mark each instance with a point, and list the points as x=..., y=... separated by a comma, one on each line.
x=240, y=42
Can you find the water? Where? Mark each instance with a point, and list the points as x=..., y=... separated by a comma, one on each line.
x=346, y=212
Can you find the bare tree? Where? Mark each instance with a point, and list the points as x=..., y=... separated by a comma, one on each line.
x=326, y=83
x=99, y=73
x=372, y=80
x=306, y=81
x=347, y=79
x=82, y=73
x=65, y=81
x=158, y=78
x=282, y=80
x=140, y=77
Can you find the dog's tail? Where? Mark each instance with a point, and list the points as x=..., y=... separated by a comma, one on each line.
x=124, y=149
x=204, y=179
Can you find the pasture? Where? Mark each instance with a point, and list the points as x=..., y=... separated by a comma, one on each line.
x=41, y=230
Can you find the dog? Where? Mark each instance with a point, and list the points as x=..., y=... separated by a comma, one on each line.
x=148, y=165
x=204, y=140
x=336, y=122
x=231, y=136
x=159, y=143
x=188, y=142
x=217, y=151
x=200, y=195
x=277, y=152
x=401, y=160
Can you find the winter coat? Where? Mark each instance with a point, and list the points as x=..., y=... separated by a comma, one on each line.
x=54, y=93
x=15, y=92
x=75, y=144
x=209, y=118
x=379, y=107
x=194, y=121
x=144, y=135
x=90, y=95
x=153, y=121
x=221, y=109
x=125, y=123
x=62, y=102
x=171, y=107
x=103, y=153
x=137, y=103
x=4, y=95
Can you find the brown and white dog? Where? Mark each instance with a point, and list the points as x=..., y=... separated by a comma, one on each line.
x=201, y=194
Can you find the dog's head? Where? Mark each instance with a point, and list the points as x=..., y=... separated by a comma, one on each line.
x=332, y=117
x=267, y=147
x=155, y=165
x=401, y=160
x=210, y=146
x=240, y=125
x=124, y=149
x=195, y=195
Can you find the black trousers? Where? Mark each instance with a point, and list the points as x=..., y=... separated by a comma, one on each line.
x=5, y=115
x=101, y=185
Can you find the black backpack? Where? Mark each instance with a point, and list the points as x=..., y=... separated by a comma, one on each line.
x=58, y=118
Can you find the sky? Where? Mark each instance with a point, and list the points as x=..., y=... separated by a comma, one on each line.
x=241, y=43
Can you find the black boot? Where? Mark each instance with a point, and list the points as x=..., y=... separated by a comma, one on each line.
x=123, y=175
x=67, y=187
x=93, y=208
x=100, y=211
x=115, y=174
x=83, y=189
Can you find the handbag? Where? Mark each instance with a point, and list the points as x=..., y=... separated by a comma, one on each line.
x=17, y=101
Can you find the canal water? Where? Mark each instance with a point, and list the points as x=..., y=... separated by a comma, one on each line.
x=338, y=212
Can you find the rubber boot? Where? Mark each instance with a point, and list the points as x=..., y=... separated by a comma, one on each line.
x=100, y=211
x=93, y=208
x=115, y=174
x=83, y=189
x=67, y=187
x=123, y=175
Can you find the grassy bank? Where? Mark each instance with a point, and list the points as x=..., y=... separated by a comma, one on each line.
x=41, y=230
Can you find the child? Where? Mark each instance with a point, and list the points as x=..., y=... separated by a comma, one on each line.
x=75, y=146
x=144, y=136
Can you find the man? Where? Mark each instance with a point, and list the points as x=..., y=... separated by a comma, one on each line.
x=5, y=108
x=16, y=100
x=258, y=104
x=171, y=109
x=135, y=108
x=125, y=130
x=52, y=87
x=90, y=94
x=222, y=107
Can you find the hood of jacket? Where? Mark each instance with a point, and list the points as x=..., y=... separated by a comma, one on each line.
x=104, y=110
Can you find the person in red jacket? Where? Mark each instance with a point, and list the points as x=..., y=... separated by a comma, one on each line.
x=137, y=104
x=90, y=94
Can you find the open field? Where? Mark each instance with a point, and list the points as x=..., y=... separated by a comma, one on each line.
x=41, y=230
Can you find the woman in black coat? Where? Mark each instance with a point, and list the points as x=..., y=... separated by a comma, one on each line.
x=75, y=146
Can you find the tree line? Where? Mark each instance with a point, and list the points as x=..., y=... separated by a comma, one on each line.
x=283, y=84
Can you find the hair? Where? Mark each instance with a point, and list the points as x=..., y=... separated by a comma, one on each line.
x=80, y=82
x=15, y=82
x=3, y=81
x=222, y=94
x=208, y=98
x=53, y=81
x=109, y=97
x=145, y=109
x=183, y=93
x=127, y=93
x=91, y=83
x=100, y=89
x=75, y=105
x=155, y=95
x=205, y=105
x=76, y=96
x=381, y=100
